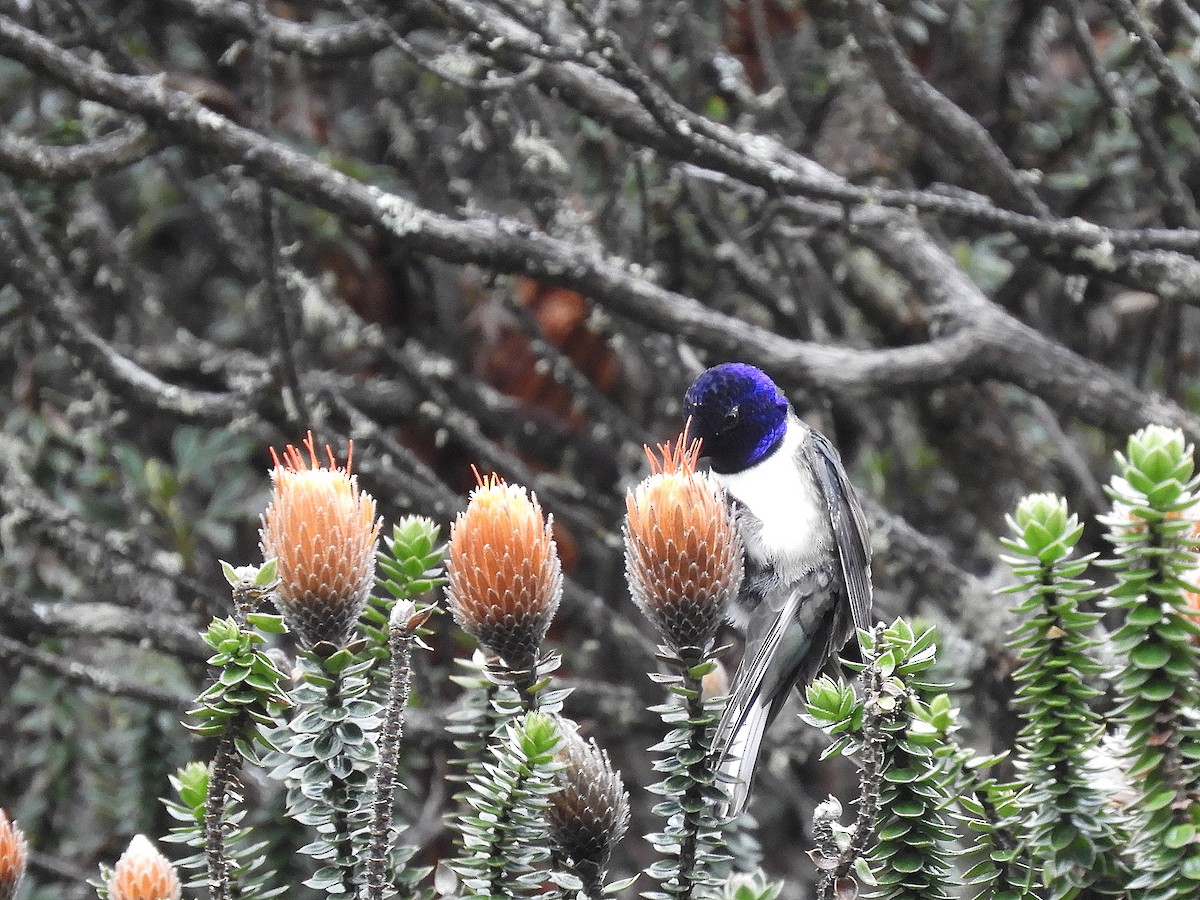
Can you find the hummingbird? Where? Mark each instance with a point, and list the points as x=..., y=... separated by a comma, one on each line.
x=807, y=584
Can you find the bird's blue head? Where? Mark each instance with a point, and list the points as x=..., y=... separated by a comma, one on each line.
x=739, y=414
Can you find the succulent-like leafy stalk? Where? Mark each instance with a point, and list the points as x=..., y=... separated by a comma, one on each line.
x=224, y=770
x=242, y=701
x=483, y=728
x=326, y=760
x=406, y=620
x=692, y=840
x=503, y=835
x=474, y=720
x=995, y=813
x=838, y=849
x=1072, y=826
x=411, y=565
x=248, y=877
x=999, y=858
x=1152, y=527
x=911, y=859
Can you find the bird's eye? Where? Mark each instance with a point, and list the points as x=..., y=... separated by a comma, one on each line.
x=730, y=420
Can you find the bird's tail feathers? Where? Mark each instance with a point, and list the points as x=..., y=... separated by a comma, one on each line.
x=739, y=755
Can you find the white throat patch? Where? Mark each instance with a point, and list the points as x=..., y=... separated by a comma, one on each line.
x=784, y=520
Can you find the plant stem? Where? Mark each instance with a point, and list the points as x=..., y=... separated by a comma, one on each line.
x=693, y=809
x=869, y=778
x=523, y=680
x=385, y=778
x=225, y=764
x=339, y=790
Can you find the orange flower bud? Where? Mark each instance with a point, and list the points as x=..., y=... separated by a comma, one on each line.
x=13, y=852
x=504, y=575
x=323, y=531
x=683, y=554
x=142, y=873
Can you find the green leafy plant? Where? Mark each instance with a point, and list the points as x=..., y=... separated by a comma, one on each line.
x=503, y=847
x=899, y=726
x=692, y=841
x=1152, y=528
x=751, y=887
x=1071, y=823
x=238, y=708
x=249, y=876
x=994, y=814
x=247, y=694
x=411, y=563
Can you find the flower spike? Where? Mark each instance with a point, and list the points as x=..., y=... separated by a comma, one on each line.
x=683, y=554
x=13, y=855
x=142, y=873
x=505, y=577
x=323, y=530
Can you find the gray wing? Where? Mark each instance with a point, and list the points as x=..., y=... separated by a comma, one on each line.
x=849, y=525
x=780, y=651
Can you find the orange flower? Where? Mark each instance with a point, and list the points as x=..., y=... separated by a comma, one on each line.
x=142, y=873
x=13, y=852
x=683, y=554
x=323, y=531
x=504, y=575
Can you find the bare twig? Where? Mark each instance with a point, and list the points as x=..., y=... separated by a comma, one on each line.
x=928, y=109
x=1181, y=96
x=96, y=679
x=38, y=279
x=121, y=148
x=994, y=346
x=268, y=226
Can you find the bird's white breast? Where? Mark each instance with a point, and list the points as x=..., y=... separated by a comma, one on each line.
x=788, y=523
